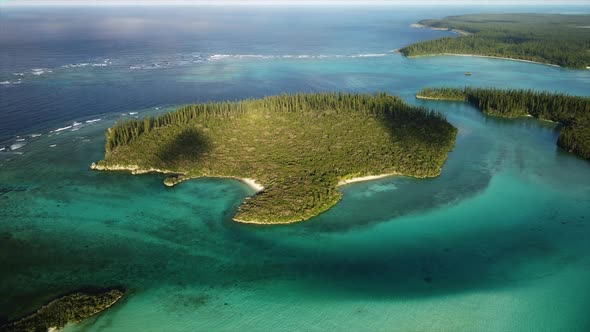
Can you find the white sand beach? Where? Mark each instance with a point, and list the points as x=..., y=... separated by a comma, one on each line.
x=364, y=178
x=253, y=184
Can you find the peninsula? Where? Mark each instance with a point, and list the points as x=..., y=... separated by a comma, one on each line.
x=572, y=112
x=296, y=148
x=555, y=39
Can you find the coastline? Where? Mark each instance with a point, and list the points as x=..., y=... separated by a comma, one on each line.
x=66, y=310
x=462, y=100
x=364, y=178
x=339, y=184
x=303, y=218
x=252, y=183
x=135, y=169
x=544, y=120
x=485, y=56
x=435, y=98
x=457, y=31
x=253, y=222
x=465, y=33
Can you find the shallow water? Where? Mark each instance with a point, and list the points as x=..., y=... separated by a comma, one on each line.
x=498, y=242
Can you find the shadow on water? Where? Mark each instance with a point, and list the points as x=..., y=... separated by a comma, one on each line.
x=463, y=176
x=458, y=180
x=231, y=255
x=468, y=171
x=211, y=250
x=474, y=260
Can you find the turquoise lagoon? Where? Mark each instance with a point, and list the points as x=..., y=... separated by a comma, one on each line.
x=499, y=242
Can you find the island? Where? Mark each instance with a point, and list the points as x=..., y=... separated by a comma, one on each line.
x=561, y=40
x=572, y=112
x=295, y=149
x=72, y=308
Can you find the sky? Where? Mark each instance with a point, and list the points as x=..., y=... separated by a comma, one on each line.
x=289, y=2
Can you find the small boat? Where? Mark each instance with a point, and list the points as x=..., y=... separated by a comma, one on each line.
x=468, y=73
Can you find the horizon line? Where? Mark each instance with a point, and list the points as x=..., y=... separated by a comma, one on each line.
x=29, y=3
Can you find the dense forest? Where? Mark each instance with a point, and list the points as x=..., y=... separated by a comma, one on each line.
x=571, y=111
x=297, y=146
x=562, y=40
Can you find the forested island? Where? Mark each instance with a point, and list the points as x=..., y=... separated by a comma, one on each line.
x=71, y=308
x=562, y=40
x=572, y=112
x=298, y=147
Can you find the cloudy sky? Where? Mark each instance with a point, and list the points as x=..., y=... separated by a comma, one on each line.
x=291, y=2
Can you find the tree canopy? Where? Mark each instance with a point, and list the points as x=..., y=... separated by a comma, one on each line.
x=572, y=112
x=562, y=40
x=299, y=147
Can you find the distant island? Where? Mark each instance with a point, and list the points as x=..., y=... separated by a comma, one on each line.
x=72, y=308
x=562, y=40
x=572, y=112
x=295, y=149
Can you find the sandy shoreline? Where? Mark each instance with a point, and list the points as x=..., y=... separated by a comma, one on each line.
x=135, y=169
x=364, y=178
x=465, y=33
x=544, y=120
x=253, y=222
x=435, y=98
x=503, y=58
x=253, y=184
x=486, y=56
x=457, y=31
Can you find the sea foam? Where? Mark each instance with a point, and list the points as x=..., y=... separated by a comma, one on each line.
x=40, y=71
x=294, y=56
x=61, y=129
x=87, y=64
x=18, y=145
x=76, y=65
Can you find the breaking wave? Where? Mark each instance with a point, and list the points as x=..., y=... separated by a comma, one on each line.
x=104, y=63
x=294, y=56
x=40, y=71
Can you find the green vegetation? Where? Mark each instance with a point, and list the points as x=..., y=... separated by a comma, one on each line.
x=571, y=111
x=71, y=308
x=297, y=146
x=562, y=40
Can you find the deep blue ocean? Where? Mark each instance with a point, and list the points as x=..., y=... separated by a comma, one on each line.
x=499, y=242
